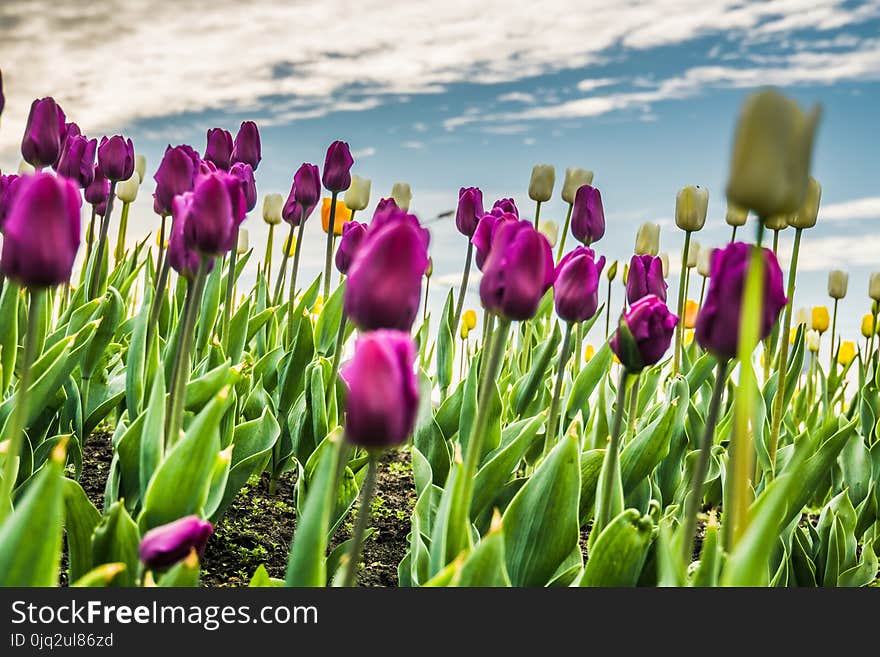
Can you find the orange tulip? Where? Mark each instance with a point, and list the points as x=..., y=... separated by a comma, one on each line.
x=342, y=216
x=691, y=308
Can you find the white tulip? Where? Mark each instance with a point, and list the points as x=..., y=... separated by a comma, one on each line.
x=648, y=239
x=693, y=254
x=541, y=183
x=704, y=262
x=402, y=195
x=550, y=230
x=575, y=178
x=357, y=197
x=802, y=316
x=736, y=216
x=691, y=206
x=664, y=260
x=813, y=340
x=140, y=166
x=838, y=281
x=244, y=241
x=127, y=190
x=806, y=216
x=776, y=222
x=874, y=286
x=272, y=206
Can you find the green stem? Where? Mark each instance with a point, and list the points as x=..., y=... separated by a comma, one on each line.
x=702, y=292
x=681, y=292
x=775, y=240
x=120, y=235
x=537, y=213
x=733, y=235
x=579, y=348
x=633, y=412
x=833, y=337
x=158, y=298
x=90, y=238
x=330, y=235
x=227, y=305
x=293, y=277
x=337, y=354
x=742, y=447
x=427, y=292
x=550, y=432
x=611, y=465
x=180, y=376
x=279, y=283
x=782, y=362
x=567, y=225
x=692, y=506
x=161, y=256
x=17, y=427
x=98, y=262
x=363, y=519
x=608, y=311
x=459, y=307
x=267, y=260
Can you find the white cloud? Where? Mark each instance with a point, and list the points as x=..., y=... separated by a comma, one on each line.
x=860, y=208
x=114, y=63
x=369, y=151
x=595, y=83
x=517, y=97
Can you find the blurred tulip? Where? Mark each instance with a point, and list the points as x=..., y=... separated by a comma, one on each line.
x=541, y=182
x=587, y=215
x=644, y=334
x=8, y=186
x=820, y=319
x=802, y=316
x=813, y=340
x=664, y=262
x=575, y=178
x=691, y=206
x=648, y=239
x=246, y=147
x=290, y=245
x=357, y=198
x=181, y=257
x=838, y=281
x=550, y=230
x=589, y=352
x=505, y=206
x=219, y=148
x=337, y=167
x=127, y=190
x=874, y=286
x=243, y=241
x=736, y=216
x=140, y=166
x=693, y=254
x=469, y=211
x=25, y=169
x=846, y=353
x=704, y=261
x=272, y=204
x=245, y=174
x=867, y=326
x=166, y=545
x=402, y=195
x=808, y=212
x=776, y=222
x=470, y=319
x=45, y=128
x=691, y=308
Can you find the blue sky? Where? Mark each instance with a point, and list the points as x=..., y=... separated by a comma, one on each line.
x=442, y=95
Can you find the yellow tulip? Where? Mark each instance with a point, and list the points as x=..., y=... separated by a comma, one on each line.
x=691, y=308
x=342, y=216
x=290, y=245
x=792, y=334
x=470, y=319
x=464, y=331
x=867, y=325
x=589, y=352
x=319, y=305
x=846, y=353
x=819, y=319
x=688, y=338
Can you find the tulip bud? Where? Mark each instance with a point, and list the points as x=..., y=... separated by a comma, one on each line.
x=176, y=174
x=846, y=353
x=485, y=234
x=272, y=204
x=664, y=262
x=340, y=217
x=127, y=190
x=469, y=210
x=212, y=214
x=290, y=245
x=550, y=230
x=464, y=331
x=116, y=158
x=219, y=148
x=357, y=197
x=41, y=144
x=77, y=160
x=169, y=544
x=541, y=183
x=429, y=271
x=812, y=338
x=691, y=308
x=819, y=319
x=41, y=232
x=648, y=239
x=243, y=241
x=470, y=319
x=353, y=233
x=645, y=277
x=807, y=214
x=575, y=178
x=693, y=254
x=305, y=192
x=576, y=285
x=402, y=195
x=802, y=316
x=867, y=325
x=140, y=166
x=837, y=283
x=704, y=262
x=245, y=175
x=874, y=286
x=587, y=215
x=691, y=206
x=736, y=216
x=612, y=271
x=505, y=206
x=337, y=167
x=644, y=334
x=718, y=322
x=776, y=222
x=246, y=147
x=772, y=150
x=589, y=352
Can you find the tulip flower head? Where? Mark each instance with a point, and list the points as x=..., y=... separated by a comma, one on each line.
x=736, y=216
x=717, y=327
x=576, y=285
x=166, y=545
x=384, y=284
x=664, y=264
x=212, y=213
x=8, y=186
x=402, y=195
x=337, y=167
x=575, y=178
x=305, y=192
x=587, y=215
x=820, y=319
x=485, y=234
x=693, y=254
x=272, y=205
x=341, y=217
x=246, y=147
x=643, y=334
x=612, y=271
x=776, y=222
x=176, y=174
x=517, y=272
x=589, y=352
x=383, y=392
x=541, y=182
x=867, y=326
x=812, y=339
x=470, y=319
x=874, y=286
x=772, y=150
x=140, y=166
x=181, y=257
x=704, y=262
x=357, y=198
x=504, y=206
x=645, y=277
x=98, y=190
x=244, y=241
x=116, y=158
x=550, y=230
x=846, y=353
x=838, y=281
x=806, y=216
x=77, y=160
x=245, y=174
x=469, y=211
x=218, y=150
x=802, y=316
x=43, y=133
x=353, y=233
x=648, y=239
x=691, y=206
x=691, y=309
x=41, y=232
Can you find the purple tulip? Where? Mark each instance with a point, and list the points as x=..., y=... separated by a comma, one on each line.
x=305, y=192
x=645, y=277
x=717, y=328
x=213, y=214
x=587, y=215
x=219, y=148
x=43, y=133
x=383, y=391
x=77, y=160
x=337, y=167
x=245, y=174
x=505, y=206
x=470, y=209
x=518, y=271
x=576, y=288
x=384, y=286
x=166, y=545
x=485, y=232
x=644, y=333
x=176, y=174
x=41, y=231
x=116, y=158
x=184, y=260
x=246, y=148
x=70, y=131
x=101, y=208
x=98, y=190
x=8, y=187
x=353, y=233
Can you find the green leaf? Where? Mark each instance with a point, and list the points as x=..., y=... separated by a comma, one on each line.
x=618, y=554
x=8, y=332
x=587, y=380
x=446, y=343
x=81, y=518
x=327, y=325
x=117, y=539
x=485, y=564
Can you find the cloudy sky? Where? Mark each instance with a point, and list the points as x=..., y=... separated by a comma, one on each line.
x=444, y=94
